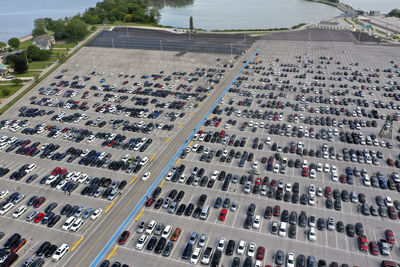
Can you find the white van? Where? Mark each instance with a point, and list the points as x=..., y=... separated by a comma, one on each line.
x=141, y=242
x=68, y=223
x=150, y=227
x=282, y=229
x=204, y=213
x=166, y=232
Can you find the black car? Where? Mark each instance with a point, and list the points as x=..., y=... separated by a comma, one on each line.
x=152, y=243
x=50, y=251
x=248, y=262
x=230, y=248
x=340, y=226
x=350, y=230
x=292, y=231
x=160, y=245
x=321, y=224
x=248, y=222
x=43, y=248
x=235, y=262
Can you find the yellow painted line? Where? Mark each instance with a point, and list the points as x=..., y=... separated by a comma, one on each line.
x=191, y=142
x=134, y=179
x=191, y=113
x=180, y=125
x=77, y=243
x=140, y=214
x=210, y=116
x=153, y=157
x=162, y=183
x=109, y=207
x=225, y=96
x=202, y=128
x=201, y=103
x=176, y=163
x=168, y=140
x=208, y=94
x=112, y=252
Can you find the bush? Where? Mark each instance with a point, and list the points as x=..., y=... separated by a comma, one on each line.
x=35, y=53
x=14, y=43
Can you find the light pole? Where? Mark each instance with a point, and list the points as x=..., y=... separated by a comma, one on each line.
x=112, y=41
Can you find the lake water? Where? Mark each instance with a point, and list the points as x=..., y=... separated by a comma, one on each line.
x=249, y=14
x=17, y=16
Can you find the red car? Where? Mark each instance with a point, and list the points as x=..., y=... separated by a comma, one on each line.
x=305, y=172
x=222, y=214
x=39, y=202
x=124, y=236
x=150, y=201
x=38, y=217
x=18, y=245
x=390, y=162
x=277, y=210
x=260, y=253
x=363, y=243
x=222, y=133
x=258, y=180
x=343, y=179
x=373, y=248
x=328, y=191
x=390, y=236
x=62, y=171
x=392, y=213
x=56, y=170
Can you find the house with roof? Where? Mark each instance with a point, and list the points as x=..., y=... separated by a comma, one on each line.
x=44, y=42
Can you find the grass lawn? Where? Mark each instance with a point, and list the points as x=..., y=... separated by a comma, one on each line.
x=66, y=45
x=24, y=45
x=26, y=74
x=8, y=90
x=40, y=64
x=58, y=51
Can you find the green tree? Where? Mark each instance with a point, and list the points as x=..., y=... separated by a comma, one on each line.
x=35, y=53
x=62, y=57
x=38, y=31
x=394, y=13
x=14, y=43
x=191, y=23
x=155, y=15
x=39, y=23
x=76, y=30
x=18, y=62
x=2, y=45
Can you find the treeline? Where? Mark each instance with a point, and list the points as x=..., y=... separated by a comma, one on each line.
x=73, y=29
x=394, y=13
x=109, y=11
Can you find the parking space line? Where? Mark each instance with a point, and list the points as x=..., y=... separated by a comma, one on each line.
x=109, y=207
x=153, y=157
x=180, y=125
x=168, y=140
x=191, y=114
x=112, y=252
x=77, y=243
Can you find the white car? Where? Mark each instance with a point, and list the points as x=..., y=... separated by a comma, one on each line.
x=311, y=201
x=288, y=187
x=4, y=193
x=312, y=173
x=195, y=256
x=146, y=176
x=311, y=234
x=214, y=175
x=141, y=242
x=221, y=243
x=276, y=168
x=334, y=176
x=144, y=161
x=96, y=213
x=30, y=168
x=241, y=247
x=388, y=202
x=150, y=227
x=6, y=208
x=76, y=225
x=290, y=260
x=319, y=167
x=169, y=176
x=311, y=190
x=251, y=249
x=60, y=252
x=257, y=222
x=18, y=212
x=68, y=223
x=166, y=232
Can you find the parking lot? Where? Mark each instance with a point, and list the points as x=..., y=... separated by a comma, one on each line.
x=289, y=164
x=329, y=245
x=89, y=132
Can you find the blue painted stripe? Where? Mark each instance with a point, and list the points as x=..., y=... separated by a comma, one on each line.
x=157, y=181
